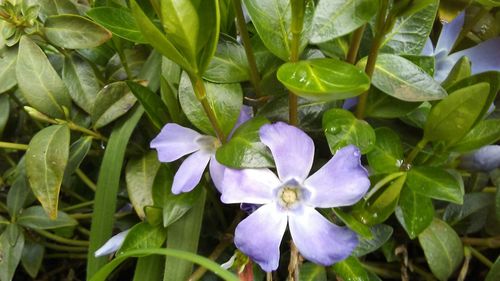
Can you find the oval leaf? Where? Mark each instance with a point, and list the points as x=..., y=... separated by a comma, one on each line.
x=387, y=153
x=8, y=69
x=435, y=183
x=229, y=65
x=380, y=234
x=119, y=21
x=11, y=253
x=143, y=236
x=81, y=81
x=111, y=102
x=35, y=217
x=152, y=103
x=484, y=133
x=415, y=212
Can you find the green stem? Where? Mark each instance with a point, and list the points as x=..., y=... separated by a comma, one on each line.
x=76, y=127
x=122, y=56
x=64, y=248
x=60, y=239
x=352, y=54
x=421, y=145
x=80, y=216
x=379, y=270
x=78, y=206
x=16, y=146
x=426, y=275
x=66, y=256
x=242, y=28
x=481, y=257
x=298, y=10
x=492, y=242
x=86, y=179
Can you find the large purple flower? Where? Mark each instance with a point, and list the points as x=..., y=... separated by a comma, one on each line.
x=290, y=198
x=483, y=57
x=175, y=141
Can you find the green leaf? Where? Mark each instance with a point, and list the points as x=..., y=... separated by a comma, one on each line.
x=387, y=153
x=400, y=78
x=380, y=105
x=323, y=79
x=380, y=234
x=139, y=175
x=342, y=128
x=415, y=212
x=410, y=32
x=434, y=182
x=169, y=83
x=272, y=20
x=143, y=236
x=119, y=21
x=229, y=64
x=471, y=216
x=81, y=81
x=442, y=248
x=152, y=103
x=484, y=133
x=225, y=100
x=461, y=70
x=494, y=273
x=113, y=101
x=351, y=269
x=77, y=152
x=244, y=149
x=11, y=253
x=454, y=116
x=361, y=229
x=495, y=178
x=312, y=272
x=19, y=193
x=54, y=7
x=149, y=268
x=40, y=84
x=8, y=69
x=335, y=18
x=107, y=188
x=74, y=32
x=35, y=217
x=32, y=257
x=4, y=112
x=46, y=159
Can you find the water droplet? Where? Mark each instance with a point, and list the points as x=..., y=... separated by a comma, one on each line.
x=356, y=153
x=103, y=146
x=405, y=166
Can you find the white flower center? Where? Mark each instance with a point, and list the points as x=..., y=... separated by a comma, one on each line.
x=289, y=196
x=208, y=143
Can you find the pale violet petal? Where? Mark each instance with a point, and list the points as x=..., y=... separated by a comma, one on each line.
x=256, y=186
x=246, y=113
x=428, y=49
x=443, y=67
x=342, y=181
x=259, y=236
x=449, y=34
x=350, y=103
x=216, y=172
x=175, y=141
x=229, y=263
x=317, y=239
x=292, y=149
x=112, y=245
x=485, y=159
x=483, y=57
x=190, y=172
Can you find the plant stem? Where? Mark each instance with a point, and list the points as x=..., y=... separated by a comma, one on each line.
x=64, y=248
x=352, y=54
x=78, y=206
x=465, y=266
x=60, y=239
x=295, y=261
x=242, y=28
x=427, y=276
x=481, y=257
x=86, y=179
x=379, y=270
x=421, y=145
x=492, y=242
x=66, y=256
x=372, y=56
x=11, y=145
x=76, y=127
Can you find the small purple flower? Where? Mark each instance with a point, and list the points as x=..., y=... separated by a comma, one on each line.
x=484, y=56
x=290, y=199
x=485, y=159
x=175, y=141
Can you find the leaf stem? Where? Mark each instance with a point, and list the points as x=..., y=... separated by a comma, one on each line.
x=491, y=242
x=409, y=159
x=85, y=179
x=481, y=257
x=11, y=145
x=298, y=9
x=75, y=127
x=242, y=28
x=78, y=206
x=352, y=54
x=58, y=247
x=60, y=239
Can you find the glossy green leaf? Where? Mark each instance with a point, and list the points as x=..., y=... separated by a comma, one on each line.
x=74, y=32
x=119, y=21
x=410, y=31
x=484, y=133
x=342, y=128
x=471, y=216
x=400, y=78
x=323, y=79
x=32, y=257
x=351, y=222
x=351, y=269
x=81, y=81
x=272, y=19
x=19, y=193
x=454, y=116
x=4, y=112
x=54, y=7
x=244, y=149
x=380, y=234
x=149, y=268
x=152, y=103
x=229, y=64
x=46, y=159
x=8, y=61
x=169, y=83
x=442, y=248
x=11, y=253
x=139, y=175
x=434, y=182
x=335, y=18
x=415, y=212
x=40, y=84
x=494, y=273
x=225, y=100
x=77, y=152
x=387, y=153
x=35, y=217
x=176, y=206
x=380, y=105
x=461, y=70
x=143, y=236
x=111, y=102
x=312, y=272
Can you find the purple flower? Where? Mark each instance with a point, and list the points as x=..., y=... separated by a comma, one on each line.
x=485, y=159
x=290, y=199
x=484, y=56
x=175, y=141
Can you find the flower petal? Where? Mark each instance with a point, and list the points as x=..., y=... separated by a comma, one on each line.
x=112, y=245
x=318, y=240
x=292, y=149
x=449, y=34
x=484, y=56
x=340, y=182
x=190, y=172
x=175, y=141
x=485, y=159
x=216, y=172
x=254, y=186
x=259, y=236
x=428, y=49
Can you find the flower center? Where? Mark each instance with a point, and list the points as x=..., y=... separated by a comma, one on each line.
x=208, y=143
x=289, y=196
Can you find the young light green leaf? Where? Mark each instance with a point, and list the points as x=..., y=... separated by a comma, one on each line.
x=415, y=212
x=74, y=32
x=351, y=222
x=229, y=64
x=46, y=159
x=335, y=18
x=112, y=101
x=152, y=103
x=35, y=217
x=342, y=128
x=40, y=84
x=461, y=70
x=400, y=78
x=387, y=153
x=119, y=21
x=32, y=257
x=434, y=182
x=351, y=269
x=323, y=79
x=380, y=234
x=484, y=133
x=454, y=116
x=81, y=81
x=442, y=248
x=11, y=253
x=143, y=236
x=8, y=69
